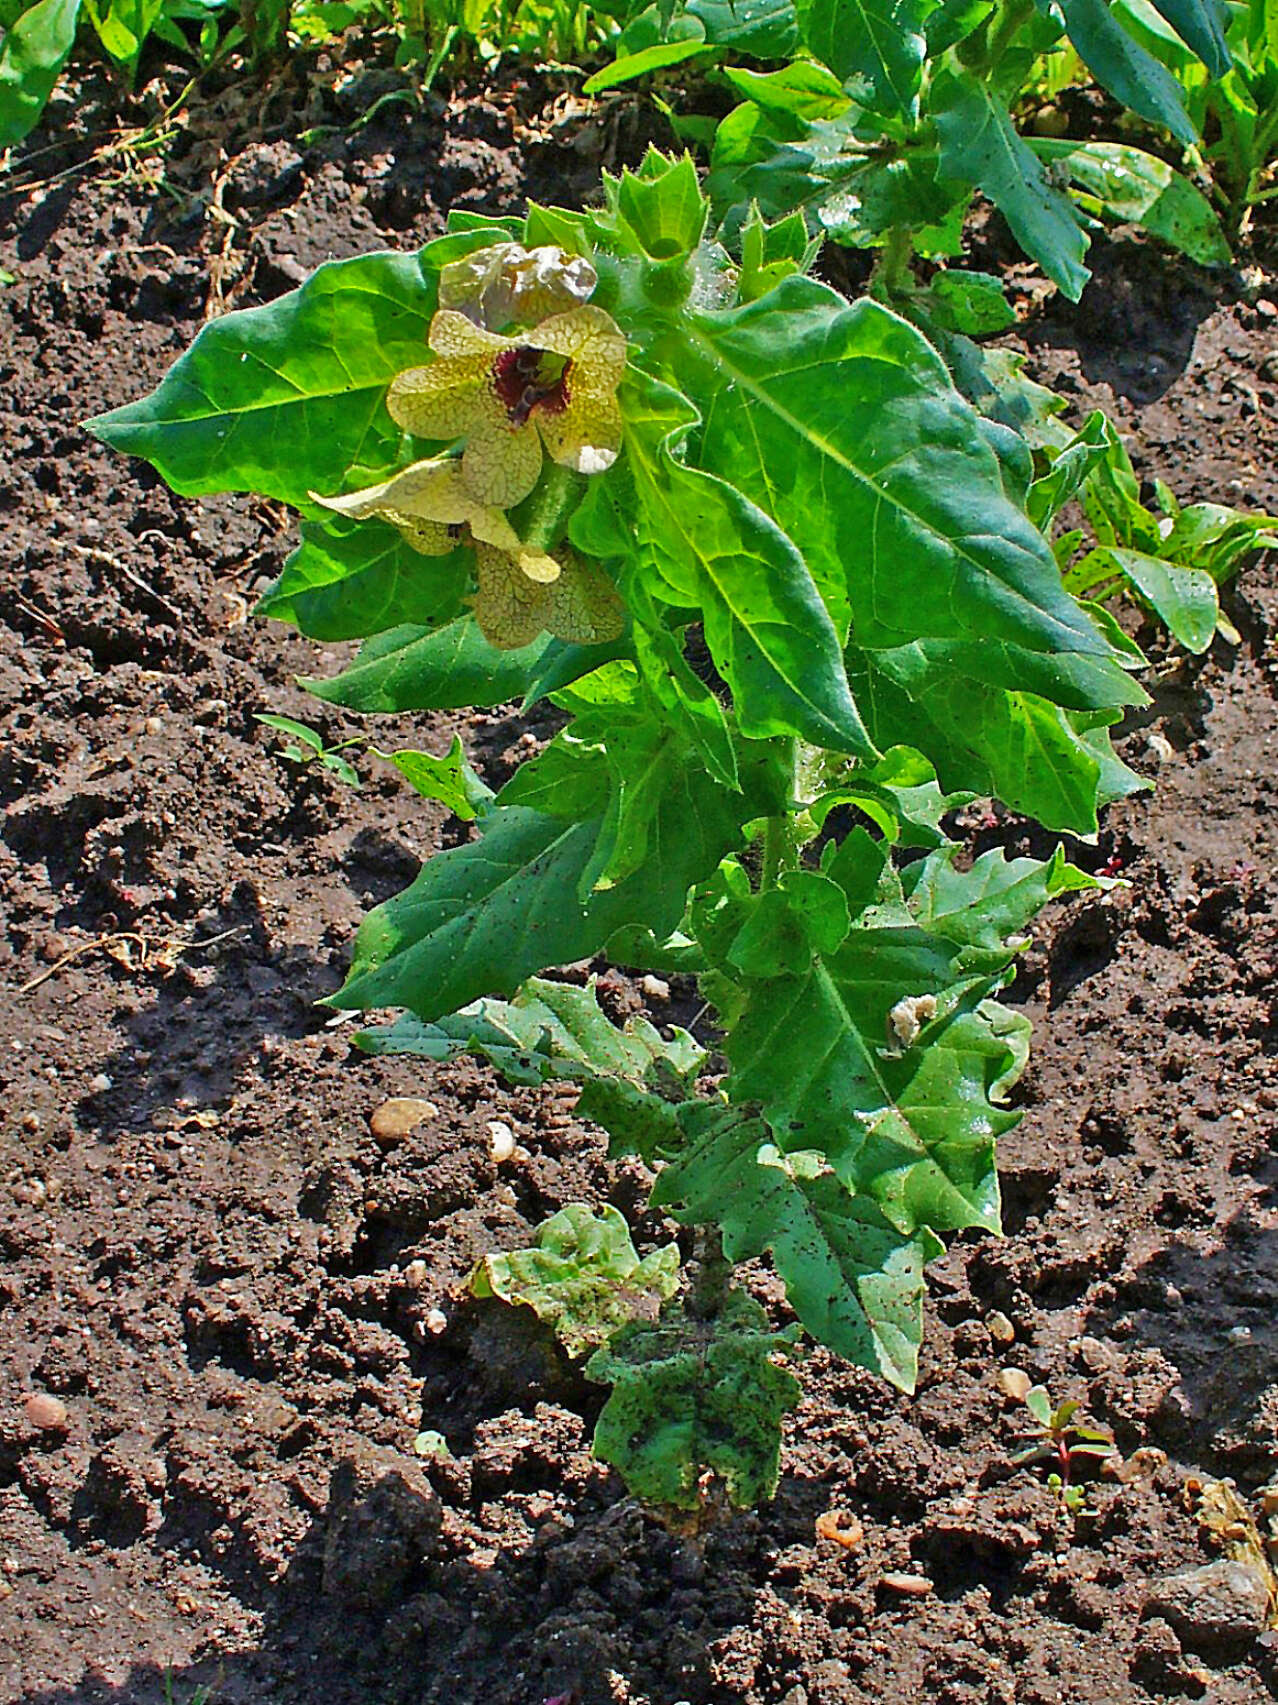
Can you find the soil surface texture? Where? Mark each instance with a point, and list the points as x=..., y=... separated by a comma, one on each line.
x=221, y=1293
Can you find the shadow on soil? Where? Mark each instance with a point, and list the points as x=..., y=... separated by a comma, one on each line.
x=1214, y=1318
x=208, y=1019
x=371, y=1608
x=1135, y=326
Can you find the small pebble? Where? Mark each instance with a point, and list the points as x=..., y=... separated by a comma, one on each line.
x=1000, y=1328
x=655, y=987
x=394, y=1119
x=842, y=1528
x=907, y=1586
x=415, y=1274
x=1014, y=1383
x=47, y=1414
x=501, y=1141
x=100, y=1083
x=437, y=1321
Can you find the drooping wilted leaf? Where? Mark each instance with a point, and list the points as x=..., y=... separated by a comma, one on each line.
x=583, y=1277
x=548, y=1030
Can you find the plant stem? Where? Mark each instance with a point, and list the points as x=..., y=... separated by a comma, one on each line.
x=551, y=506
x=774, y=850
x=714, y=1272
x=778, y=840
x=892, y=278
x=983, y=50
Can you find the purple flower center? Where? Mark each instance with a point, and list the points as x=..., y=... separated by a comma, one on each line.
x=526, y=379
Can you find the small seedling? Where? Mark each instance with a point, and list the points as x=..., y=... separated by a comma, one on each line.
x=308, y=747
x=1056, y=1437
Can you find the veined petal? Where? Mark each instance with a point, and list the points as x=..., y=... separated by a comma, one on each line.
x=584, y=605
x=590, y=339
x=510, y=608
x=586, y=435
x=500, y=463
x=492, y=528
x=455, y=338
x=431, y=538
x=396, y=499
x=431, y=489
x=509, y=282
x=440, y=401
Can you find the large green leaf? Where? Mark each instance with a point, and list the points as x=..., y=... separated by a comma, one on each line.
x=1123, y=67
x=842, y=421
x=696, y=1399
x=346, y=582
x=480, y=918
x=32, y=54
x=771, y=152
x=706, y=545
x=1017, y=746
x=885, y=1054
x=289, y=398
x=583, y=1277
x=764, y=28
x=879, y=42
x=1120, y=182
x=852, y=1278
x=979, y=144
x=992, y=901
x=844, y=424
x=417, y=668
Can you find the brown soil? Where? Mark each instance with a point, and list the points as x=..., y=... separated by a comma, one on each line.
x=207, y=1254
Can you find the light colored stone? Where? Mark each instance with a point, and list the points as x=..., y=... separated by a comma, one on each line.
x=394, y=1119
x=501, y=1141
x=841, y=1527
x=905, y=1585
x=1014, y=1383
x=1223, y=1602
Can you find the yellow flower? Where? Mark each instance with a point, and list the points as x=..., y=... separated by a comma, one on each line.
x=554, y=385
x=580, y=604
x=508, y=282
x=432, y=506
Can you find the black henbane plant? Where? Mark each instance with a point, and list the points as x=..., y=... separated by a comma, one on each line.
x=781, y=580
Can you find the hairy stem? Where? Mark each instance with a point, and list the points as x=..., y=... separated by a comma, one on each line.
x=892, y=278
